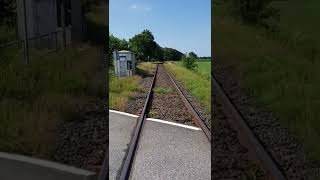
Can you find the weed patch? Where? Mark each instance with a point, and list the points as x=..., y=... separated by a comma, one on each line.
x=162, y=90
x=35, y=96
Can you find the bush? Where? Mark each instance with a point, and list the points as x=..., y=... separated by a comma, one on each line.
x=257, y=12
x=189, y=63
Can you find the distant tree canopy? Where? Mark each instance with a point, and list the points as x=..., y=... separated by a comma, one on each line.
x=171, y=54
x=205, y=57
x=145, y=48
x=193, y=55
x=8, y=12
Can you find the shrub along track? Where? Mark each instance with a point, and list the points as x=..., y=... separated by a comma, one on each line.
x=281, y=146
x=165, y=101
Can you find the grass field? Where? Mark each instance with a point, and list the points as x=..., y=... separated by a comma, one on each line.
x=281, y=73
x=204, y=67
x=36, y=96
x=121, y=89
x=195, y=82
x=298, y=17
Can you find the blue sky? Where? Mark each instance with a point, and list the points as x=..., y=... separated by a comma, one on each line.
x=181, y=24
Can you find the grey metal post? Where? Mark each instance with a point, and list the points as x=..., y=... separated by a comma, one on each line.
x=26, y=45
x=63, y=24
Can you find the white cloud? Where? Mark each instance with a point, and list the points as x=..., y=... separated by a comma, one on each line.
x=133, y=6
x=141, y=7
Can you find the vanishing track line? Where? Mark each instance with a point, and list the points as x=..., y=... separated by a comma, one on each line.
x=126, y=169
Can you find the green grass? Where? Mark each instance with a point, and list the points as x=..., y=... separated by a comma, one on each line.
x=197, y=85
x=204, y=68
x=36, y=96
x=299, y=17
x=279, y=73
x=121, y=89
x=146, y=68
x=162, y=90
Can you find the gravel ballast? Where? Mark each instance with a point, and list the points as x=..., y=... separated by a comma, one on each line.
x=283, y=146
x=230, y=160
x=166, y=103
x=203, y=114
x=82, y=142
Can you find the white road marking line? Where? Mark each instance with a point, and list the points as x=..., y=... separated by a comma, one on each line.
x=173, y=123
x=158, y=120
x=123, y=113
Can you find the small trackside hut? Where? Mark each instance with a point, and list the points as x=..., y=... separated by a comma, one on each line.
x=124, y=63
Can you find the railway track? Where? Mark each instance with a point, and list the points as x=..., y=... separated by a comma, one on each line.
x=271, y=146
x=245, y=135
x=187, y=110
x=236, y=151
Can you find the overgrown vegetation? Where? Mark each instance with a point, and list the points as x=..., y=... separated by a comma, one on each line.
x=162, y=90
x=121, y=89
x=280, y=71
x=196, y=84
x=189, y=62
x=146, y=68
x=258, y=12
x=53, y=87
x=36, y=96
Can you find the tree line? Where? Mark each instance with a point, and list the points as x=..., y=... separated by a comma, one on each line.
x=145, y=48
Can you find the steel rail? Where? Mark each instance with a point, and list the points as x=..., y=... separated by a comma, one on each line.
x=192, y=111
x=245, y=134
x=126, y=169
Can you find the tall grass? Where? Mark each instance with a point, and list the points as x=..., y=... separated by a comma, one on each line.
x=34, y=97
x=121, y=89
x=146, y=68
x=197, y=85
x=279, y=73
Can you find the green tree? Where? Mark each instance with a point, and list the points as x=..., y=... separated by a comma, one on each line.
x=193, y=55
x=116, y=44
x=158, y=54
x=170, y=54
x=143, y=45
x=189, y=62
